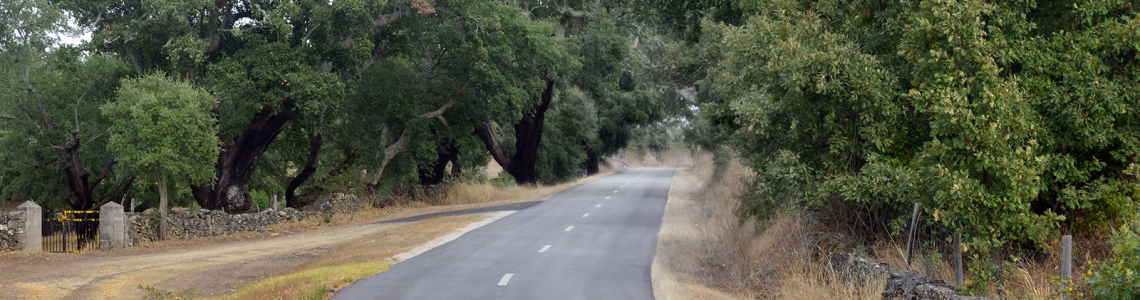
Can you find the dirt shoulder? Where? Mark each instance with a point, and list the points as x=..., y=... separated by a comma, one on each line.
x=673, y=263
x=216, y=266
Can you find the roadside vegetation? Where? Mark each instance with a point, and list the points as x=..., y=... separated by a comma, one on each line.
x=1010, y=122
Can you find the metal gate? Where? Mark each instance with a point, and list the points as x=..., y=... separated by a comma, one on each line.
x=71, y=231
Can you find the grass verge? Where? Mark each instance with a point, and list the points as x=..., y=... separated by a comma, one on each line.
x=317, y=283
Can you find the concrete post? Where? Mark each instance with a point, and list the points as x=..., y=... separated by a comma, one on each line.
x=958, y=258
x=910, y=244
x=32, y=237
x=112, y=227
x=1066, y=263
x=275, y=201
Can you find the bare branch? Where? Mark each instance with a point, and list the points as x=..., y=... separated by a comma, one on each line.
x=39, y=100
x=7, y=117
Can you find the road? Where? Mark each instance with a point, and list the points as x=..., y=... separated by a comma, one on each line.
x=595, y=241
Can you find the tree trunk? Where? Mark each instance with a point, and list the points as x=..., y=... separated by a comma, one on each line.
x=395, y=148
x=528, y=135
x=236, y=163
x=162, y=208
x=591, y=161
x=317, y=189
x=315, y=143
x=435, y=172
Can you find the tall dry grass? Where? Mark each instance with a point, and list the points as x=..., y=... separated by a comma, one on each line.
x=779, y=259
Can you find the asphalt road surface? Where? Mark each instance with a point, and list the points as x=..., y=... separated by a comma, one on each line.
x=595, y=241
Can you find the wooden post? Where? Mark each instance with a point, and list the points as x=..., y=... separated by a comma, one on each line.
x=913, y=228
x=1066, y=262
x=958, y=258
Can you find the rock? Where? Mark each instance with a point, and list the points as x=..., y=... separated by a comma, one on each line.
x=901, y=284
x=853, y=266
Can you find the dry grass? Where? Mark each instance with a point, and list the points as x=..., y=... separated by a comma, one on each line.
x=669, y=159
x=468, y=193
x=705, y=252
x=315, y=282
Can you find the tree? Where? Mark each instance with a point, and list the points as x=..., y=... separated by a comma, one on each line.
x=268, y=62
x=1007, y=120
x=164, y=130
x=50, y=127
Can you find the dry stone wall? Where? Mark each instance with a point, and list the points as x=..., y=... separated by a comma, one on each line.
x=142, y=228
x=11, y=228
x=901, y=284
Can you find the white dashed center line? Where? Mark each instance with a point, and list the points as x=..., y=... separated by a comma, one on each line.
x=568, y=228
x=586, y=215
x=506, y=278
x=615, y=191
x=543, y=249
x=599, y=205
x=607, y=197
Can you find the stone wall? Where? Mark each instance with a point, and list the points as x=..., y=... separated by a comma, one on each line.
x=11, y=227
x=142, y=228
x=901, y=284
x=339, y=203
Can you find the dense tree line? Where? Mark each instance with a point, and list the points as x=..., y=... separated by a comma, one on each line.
x=1012, y=121
x=310, y=97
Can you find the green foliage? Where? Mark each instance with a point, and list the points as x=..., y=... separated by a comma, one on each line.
x=1006, y=120
x=316, y=292
x=1119, y=277
x=261, y=200
x=164, y=128
x=70, y=86
x=571, y=120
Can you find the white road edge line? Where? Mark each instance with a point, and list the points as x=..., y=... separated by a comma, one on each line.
x=586, y=215
x=506, y=278
x=491, y=217
x=568, y=228
x=543, y=249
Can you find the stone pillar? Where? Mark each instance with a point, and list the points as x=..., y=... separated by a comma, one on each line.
x=112, y=227
x=32, y=237
x=275, y=201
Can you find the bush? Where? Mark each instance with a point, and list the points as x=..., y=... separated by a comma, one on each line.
x=1119, y=277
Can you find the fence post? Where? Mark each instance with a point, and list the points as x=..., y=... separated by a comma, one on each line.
x=958, y=258
x=112, y=227
x=1066, y=262
x=275, y=201
x=913, y=228
x=33, y=237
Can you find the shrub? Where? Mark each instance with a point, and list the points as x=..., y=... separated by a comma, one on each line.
x=1119, y=277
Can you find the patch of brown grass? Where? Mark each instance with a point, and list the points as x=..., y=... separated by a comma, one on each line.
x=706, y=252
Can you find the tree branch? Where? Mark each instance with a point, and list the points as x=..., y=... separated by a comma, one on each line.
x=39, y=100
x=392, y=17
x=438, y=114
x=487, y=135
x=102, y=175
x=7, y=117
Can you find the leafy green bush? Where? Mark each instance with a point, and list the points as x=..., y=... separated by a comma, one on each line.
x=1006, y=120
x=1119, y=277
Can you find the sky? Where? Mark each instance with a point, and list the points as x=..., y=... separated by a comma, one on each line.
x=65, y=39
